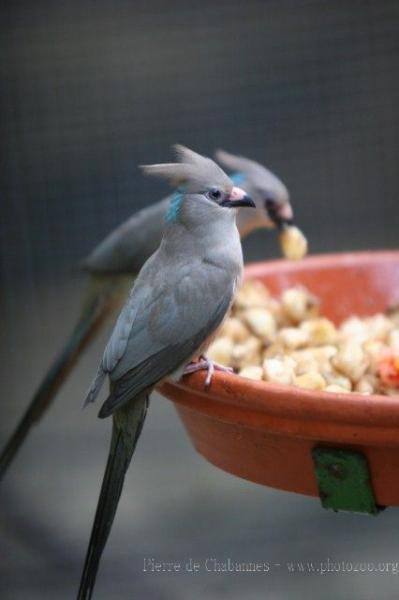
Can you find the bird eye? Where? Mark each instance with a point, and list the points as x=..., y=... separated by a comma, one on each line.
x=270, y=203
x=215, y=194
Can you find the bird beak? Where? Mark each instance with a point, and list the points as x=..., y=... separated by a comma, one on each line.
x=280, y=214
x=238, y=198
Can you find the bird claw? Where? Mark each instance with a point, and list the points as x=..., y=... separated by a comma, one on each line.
x=205, y=363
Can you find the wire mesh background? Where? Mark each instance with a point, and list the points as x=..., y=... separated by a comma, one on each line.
x=90, y=90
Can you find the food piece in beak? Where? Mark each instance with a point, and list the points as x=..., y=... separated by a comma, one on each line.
x=293, y=243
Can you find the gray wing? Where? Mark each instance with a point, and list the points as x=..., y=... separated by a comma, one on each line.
x=157, y=366
x=167, y=326
x=127, y=247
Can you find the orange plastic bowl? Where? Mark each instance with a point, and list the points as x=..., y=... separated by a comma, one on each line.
x=265, y=432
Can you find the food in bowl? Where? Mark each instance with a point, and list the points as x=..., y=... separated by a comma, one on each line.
x=287, y=341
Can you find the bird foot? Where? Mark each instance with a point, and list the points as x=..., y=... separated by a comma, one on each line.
x=205, y=363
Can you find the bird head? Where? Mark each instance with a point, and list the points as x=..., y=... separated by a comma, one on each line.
x=271, y=197
x=204, y=191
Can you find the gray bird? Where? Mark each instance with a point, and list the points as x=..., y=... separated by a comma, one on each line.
x=114, y=263
x=165, y=323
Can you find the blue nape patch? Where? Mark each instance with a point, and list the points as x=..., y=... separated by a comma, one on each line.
x=176, y=202
x=237, y=178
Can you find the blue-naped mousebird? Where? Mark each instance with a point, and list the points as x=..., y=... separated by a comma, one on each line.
x=179, y=299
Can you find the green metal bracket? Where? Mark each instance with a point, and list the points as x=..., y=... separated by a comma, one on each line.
x=344, y=480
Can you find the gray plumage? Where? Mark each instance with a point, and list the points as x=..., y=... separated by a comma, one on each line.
x=165, y=322
x=126, y=248
x=114, y=263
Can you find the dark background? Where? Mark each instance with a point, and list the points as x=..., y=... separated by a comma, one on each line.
x=88, y=91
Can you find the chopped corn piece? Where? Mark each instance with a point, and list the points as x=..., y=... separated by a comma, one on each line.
x=351, y=360
x=310, y=381
x=234, y=329
x=379, y=326
x=247, y=353
x=293, y=338
x=252, y=373
x=368, y=384
x=299, y=304
x=339, y=380
x=252, y=293
x=337, y=389
x=279, y=370
x=221, y=351
x=321, y=331
x=262, y=323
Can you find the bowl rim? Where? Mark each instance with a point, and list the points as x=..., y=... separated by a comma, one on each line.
x=283, y=401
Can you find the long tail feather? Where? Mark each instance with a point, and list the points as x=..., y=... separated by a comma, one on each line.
x=127, y=426
x=96, y=310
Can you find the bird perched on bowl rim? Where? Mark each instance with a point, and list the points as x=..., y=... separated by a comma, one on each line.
x=114, y=263
x=178, y=301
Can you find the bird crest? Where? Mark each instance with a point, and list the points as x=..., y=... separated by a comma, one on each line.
x=261, y=177
x=192, y=173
